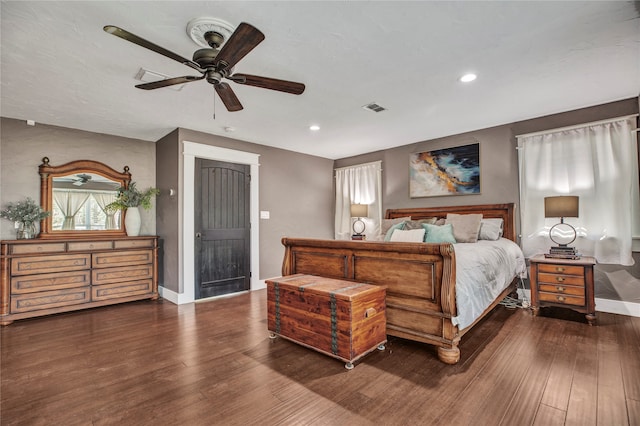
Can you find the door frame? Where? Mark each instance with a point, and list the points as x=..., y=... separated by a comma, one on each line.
x=191, y=150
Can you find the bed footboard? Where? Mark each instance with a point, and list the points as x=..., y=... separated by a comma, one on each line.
x=419, y=281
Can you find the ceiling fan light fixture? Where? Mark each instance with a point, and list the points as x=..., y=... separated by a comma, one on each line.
x=201, y=31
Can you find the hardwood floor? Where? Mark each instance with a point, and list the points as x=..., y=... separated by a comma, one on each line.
x=209, y=363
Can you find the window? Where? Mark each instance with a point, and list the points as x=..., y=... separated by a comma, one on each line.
x=598, y=163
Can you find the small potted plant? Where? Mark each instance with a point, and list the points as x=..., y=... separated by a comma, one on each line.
x=25, y=214
x=130, y=199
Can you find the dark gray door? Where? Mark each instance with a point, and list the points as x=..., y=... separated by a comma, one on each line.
x=223, y=250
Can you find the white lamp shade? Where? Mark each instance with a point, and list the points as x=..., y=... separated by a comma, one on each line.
x=564, y=206
x=359, y=210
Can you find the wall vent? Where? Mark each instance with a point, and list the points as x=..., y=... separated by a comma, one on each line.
x=149, y=76
x=374, y=107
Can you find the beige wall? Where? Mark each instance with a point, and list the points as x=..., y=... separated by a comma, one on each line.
x=22, y=148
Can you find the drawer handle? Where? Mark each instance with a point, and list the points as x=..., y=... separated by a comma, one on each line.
x=370, y=312
x=560, y=288
x=560, y=299
x=559, y=269
x=560, y=279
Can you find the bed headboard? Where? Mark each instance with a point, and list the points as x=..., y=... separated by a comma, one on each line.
x=504, y=211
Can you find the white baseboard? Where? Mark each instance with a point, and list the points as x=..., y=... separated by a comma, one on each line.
x=181, y=298
x=610, y=306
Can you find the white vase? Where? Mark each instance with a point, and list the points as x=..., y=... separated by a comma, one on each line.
x=132, y=221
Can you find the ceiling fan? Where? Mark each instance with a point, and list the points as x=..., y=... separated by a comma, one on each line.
x=215, y=64
x=81, y=179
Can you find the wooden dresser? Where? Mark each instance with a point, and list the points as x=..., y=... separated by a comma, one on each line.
x=563, y=283
x=41, y=277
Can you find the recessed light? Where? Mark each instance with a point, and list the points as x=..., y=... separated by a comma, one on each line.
x=468, y=77
x=314, y=127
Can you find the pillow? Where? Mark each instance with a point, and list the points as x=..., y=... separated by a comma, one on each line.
x=408, y=236
x=385, y=224
x=439, y=222
x=438, y=233
x=417, y=224
x=397, y=226
x=465, y=226
x=490, y=229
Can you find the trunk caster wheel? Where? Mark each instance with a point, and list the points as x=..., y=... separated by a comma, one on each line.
x=348, y=366
x=381, y=347
x=272, y=335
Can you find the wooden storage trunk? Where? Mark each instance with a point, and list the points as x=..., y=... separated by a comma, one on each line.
x=342, y=319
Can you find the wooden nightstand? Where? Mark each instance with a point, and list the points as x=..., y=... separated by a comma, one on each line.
x=563, y=283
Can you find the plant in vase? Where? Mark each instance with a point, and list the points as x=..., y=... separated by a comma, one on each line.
x=25, y=214
x=130, y=198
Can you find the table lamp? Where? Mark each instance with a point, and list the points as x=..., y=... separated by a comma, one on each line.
x=359, y=211
x=563, y=206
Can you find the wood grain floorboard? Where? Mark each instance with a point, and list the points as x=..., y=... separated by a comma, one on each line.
x=212, y=363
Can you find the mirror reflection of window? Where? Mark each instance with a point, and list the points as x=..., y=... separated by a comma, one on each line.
x=79, y=202
x=83, y=211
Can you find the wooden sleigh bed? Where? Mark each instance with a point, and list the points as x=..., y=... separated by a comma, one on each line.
x=420, y=278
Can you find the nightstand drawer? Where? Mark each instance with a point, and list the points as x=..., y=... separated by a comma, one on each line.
x=562, y=298
x=561, y=279
x=561, y=269
x=562, y=289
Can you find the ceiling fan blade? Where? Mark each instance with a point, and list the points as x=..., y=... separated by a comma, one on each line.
x=168, y=82
x=228, y=97
x=268, y=83
x=241, y=42
x=126, y=35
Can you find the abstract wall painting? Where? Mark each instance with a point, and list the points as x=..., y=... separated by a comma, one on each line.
x=449, y=171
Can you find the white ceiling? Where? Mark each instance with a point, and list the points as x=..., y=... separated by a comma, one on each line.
x=532, y=59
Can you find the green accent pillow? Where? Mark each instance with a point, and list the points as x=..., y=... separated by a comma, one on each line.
x=438, y=234
x=387, y=236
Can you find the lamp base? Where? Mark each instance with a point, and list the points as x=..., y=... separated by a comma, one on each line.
x=562, y=251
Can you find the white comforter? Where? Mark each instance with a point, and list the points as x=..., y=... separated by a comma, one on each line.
x=483, y=270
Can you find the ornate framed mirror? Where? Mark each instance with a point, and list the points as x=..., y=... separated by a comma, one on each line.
x=76, y=194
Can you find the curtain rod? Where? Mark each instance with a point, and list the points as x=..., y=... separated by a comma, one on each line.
x=577, y=126
x=359, y=165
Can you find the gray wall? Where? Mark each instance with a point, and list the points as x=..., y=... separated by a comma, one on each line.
x=499, y=177
x=296, y=189
x=167, y=157
x=22, y=148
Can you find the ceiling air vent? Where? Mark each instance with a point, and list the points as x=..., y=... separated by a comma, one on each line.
x=374, y=107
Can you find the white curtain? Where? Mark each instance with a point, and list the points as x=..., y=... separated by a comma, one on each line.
x=69, y=202
x=361, y=184
x=599, y=164
x=103, y=199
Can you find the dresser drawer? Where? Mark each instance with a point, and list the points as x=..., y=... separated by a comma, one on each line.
x=122, y=258
x=48, y=264
x=127, y=273
x=116, y=290
x=562, y=299
x=561, y=269
x=49, y=299
x=47, y=282
x=122, y=244
x=37, y=248
x=560, y=279
x=563, y=289
x=90, y=245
